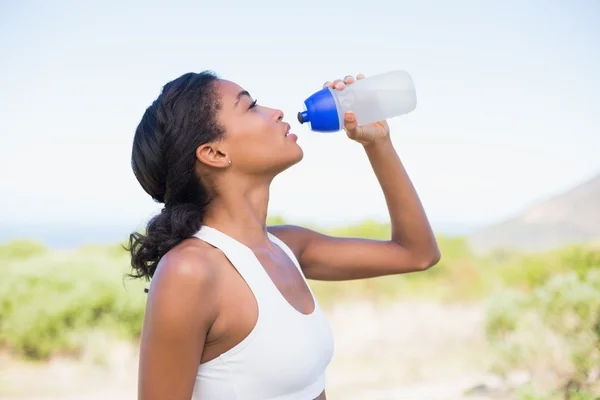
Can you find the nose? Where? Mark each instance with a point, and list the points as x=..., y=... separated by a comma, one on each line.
x=279, y=115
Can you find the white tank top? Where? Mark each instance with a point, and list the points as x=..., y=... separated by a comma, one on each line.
x=284, y=357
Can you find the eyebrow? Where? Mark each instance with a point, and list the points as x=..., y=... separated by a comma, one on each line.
x=240, y=95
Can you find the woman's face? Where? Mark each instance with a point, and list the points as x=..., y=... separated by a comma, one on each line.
x=257, y=140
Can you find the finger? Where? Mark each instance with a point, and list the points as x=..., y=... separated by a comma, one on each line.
x=360, y=76
x=339, y=84
x=350, y=124
x=349, y=79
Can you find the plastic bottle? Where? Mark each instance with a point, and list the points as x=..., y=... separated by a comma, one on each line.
x=375, y=98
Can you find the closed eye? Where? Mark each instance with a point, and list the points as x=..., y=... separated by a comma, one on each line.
x=253, y=104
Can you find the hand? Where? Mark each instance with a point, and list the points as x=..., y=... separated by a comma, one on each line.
x=364, y=134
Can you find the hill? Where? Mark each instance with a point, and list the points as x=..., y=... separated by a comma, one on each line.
x=570, y=217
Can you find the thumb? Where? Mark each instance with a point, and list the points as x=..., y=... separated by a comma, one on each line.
x=350, y=124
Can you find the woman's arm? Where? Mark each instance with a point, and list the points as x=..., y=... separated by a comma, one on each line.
x=412, y=246
x=180, y=310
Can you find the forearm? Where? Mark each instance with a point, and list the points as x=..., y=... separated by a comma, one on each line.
x=410, y=226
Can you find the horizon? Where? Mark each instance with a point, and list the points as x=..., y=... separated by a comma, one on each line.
x=56, y=236
x=70, y=237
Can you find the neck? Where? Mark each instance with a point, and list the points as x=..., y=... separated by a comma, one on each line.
x=241, y=214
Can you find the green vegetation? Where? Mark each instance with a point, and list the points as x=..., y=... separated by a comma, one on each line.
x=543, y=310
x=49, y=300
x=544, y=318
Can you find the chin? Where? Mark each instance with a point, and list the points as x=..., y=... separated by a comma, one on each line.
x=291, y=160
x=298, y=156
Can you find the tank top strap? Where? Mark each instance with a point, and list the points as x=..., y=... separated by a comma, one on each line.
x=287, y=251
x=242, y=258
x=292, y=256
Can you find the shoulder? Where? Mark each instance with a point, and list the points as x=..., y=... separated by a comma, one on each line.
x=192, y=263
x=297, y=238
x=187, y=274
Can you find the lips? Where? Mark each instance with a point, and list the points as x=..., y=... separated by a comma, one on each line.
x=287, y=131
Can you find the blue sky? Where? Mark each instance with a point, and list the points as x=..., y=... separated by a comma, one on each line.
x=507, y=113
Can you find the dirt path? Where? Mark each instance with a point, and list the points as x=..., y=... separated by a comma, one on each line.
x=410, y=350
x=407, y=348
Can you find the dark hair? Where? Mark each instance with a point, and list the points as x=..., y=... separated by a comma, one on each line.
x=183, y=117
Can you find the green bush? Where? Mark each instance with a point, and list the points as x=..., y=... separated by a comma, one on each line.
x=532, y=270
x=48, y=303
x=51, y=301
x=20, y=250
x=545, y=318
x=553, y=332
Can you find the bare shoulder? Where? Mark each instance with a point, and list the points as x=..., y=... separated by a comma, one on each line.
x=191, y=265
x=186, y=275
x=192, y=261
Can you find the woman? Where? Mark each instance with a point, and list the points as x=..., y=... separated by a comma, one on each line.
x=229, y=313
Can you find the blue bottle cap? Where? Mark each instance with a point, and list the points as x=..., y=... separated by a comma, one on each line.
x=321, y=112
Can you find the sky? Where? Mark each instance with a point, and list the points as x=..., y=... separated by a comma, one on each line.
x=507, y=112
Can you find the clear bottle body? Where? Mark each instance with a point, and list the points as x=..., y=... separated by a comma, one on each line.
x=377, y=98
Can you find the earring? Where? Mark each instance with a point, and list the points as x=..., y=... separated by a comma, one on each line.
x=229, y=162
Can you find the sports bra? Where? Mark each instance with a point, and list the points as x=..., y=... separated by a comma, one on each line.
x=285, y=355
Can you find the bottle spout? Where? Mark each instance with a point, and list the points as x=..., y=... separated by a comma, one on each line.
x=320, y=111
x=303, y=117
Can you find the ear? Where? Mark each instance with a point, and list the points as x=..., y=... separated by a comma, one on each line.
x=212, y=155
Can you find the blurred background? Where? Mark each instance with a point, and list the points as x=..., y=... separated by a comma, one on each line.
x=503, y=149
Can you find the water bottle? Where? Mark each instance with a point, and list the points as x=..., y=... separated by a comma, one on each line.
x=375, y=98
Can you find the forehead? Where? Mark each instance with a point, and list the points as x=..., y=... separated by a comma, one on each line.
x=230, y=91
